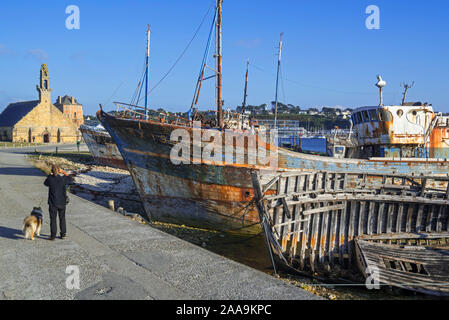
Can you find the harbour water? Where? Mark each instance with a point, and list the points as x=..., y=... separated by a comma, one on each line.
x=313, y=144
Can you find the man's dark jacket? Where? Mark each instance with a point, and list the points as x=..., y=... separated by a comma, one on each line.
x=57, y=192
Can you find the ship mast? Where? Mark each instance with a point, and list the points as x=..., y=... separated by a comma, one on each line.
x=277, y=81
x=404, y=95
x=246, y=86
x=146, y=72
x=219, y=66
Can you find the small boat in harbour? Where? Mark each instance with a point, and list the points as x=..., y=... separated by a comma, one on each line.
x=102, y=147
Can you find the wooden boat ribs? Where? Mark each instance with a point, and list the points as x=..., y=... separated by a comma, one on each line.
x=314, y=220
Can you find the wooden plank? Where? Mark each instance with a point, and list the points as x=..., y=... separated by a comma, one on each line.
x=390, y=217
x=400, y=217
x=323, y=209
x=405, y=235
x=343, y=236
x=447, y=192
x=324, y=238
x=380, y=216
x=305, y=240
x=286, y=209
x=315, y=239
x=333, y=237
x=345, y=181
x=411, y=209
x=423, y=187
x=370, y=220
x=367, y=197
x=419, y=219
x=354, y=213
x=440, y=218
x=271, y=183
x=362, y=218
x=301, y=219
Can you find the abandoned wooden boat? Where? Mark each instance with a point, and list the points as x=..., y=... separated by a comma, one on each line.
x=313, y=220
x=413, y=261
x=102, y=147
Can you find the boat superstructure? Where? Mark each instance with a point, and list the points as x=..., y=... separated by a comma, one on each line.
x=408, y=130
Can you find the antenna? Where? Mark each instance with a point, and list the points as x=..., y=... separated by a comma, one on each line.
x=277, y=80
x=380, y=84
x=406, y=87
x=246, y=87
x=146, y=72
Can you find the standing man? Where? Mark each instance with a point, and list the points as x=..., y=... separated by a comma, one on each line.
x=57, y=199
x=78, y=143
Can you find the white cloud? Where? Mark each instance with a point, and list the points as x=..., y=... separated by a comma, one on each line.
x=38, y=54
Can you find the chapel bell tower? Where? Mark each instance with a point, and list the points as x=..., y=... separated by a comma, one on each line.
x=44, y=87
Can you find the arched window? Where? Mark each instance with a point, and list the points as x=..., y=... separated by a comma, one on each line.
x=45, y=84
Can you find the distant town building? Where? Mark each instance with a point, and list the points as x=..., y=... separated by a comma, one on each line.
x=71, y=109
x=39, y=120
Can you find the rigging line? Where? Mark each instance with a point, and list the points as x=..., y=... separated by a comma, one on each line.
x=141, y=81
x=139, y=84
x=115, y=91
x=203, y=63
x=317, y=87
x=183, y=52
x=122, y=82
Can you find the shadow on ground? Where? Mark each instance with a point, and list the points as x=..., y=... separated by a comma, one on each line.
x=10, y=233
x=20, y=171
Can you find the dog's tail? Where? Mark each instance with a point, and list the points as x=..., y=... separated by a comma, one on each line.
x=26, y=229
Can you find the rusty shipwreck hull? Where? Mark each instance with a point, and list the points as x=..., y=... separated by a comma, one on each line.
x=203, y=195
x=217, y=195
x=312, y=221
x=103, y=148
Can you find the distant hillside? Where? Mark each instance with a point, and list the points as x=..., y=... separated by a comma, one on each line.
x=311, y=122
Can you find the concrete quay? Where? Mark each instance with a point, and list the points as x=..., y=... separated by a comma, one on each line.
x=117, y=258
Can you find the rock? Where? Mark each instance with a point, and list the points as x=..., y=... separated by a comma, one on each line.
x=203, y=244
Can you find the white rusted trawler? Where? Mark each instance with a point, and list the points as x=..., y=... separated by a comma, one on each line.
x=405, y=133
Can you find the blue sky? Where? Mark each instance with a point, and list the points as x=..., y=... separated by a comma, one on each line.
x=330, y=58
